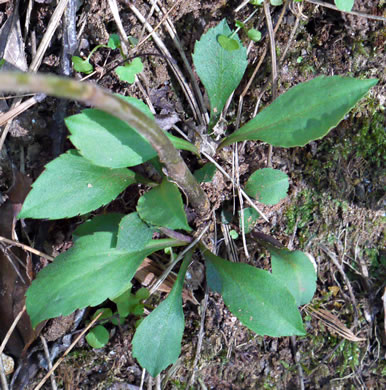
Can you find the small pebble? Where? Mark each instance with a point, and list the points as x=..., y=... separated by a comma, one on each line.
x=8, y=364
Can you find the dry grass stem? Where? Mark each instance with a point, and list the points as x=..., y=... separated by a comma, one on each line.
x=68, y=350
x=356, y=13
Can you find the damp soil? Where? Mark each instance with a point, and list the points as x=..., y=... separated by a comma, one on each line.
x=336, y=198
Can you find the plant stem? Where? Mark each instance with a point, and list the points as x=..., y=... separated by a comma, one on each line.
x=88, y=93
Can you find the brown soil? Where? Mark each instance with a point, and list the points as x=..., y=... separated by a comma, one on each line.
x=336, y=199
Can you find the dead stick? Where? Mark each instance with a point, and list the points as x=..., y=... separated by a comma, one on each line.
x=27, y=248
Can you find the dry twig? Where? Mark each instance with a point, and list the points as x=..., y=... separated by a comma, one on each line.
x=356, y=13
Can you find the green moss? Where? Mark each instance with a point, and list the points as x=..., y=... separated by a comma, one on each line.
x=300, y=214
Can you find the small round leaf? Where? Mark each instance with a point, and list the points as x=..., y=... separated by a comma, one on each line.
x=227, y=43
x=81, y=66
x=98, y=337
x=267, y=185
x=254, y=35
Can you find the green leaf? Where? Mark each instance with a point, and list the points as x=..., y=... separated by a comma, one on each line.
x=206, y=173
x=256, y=2
x=72, y=185
x=106, y=314
x=233, y=234
x=107, y=223
x=276, y=2
x=254, y=35
x=227, y=43
x=161, y=331
x=133, y=41
x=267, y=185
x=163, y=206
x=304, y=113
x=80, y=65
x=133, y=234
x=239, y=24
x=250, y=219
x=86, y=275
x=129, y=303
x=219, y=70
x=108, y=141
x=128, y=71
x=296, y=272
x=344, y=5
x=98, y=337
x=114, y=42
x=182, y=144
x=255, y=297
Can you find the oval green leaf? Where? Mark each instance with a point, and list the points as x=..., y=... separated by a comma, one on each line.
x=107, y=223
x=304, y=113
x=81, y=66
x=344, y=5
x=222, y=70
x=206, y=173
x=86, y=275
x=108, y=141
x=72, y=185
x=255, y=297
x=133, y=233
x=267, y=185
x=254, y=35
x=228, y=43
x=182, y=144
x=97, y=337
x=250, y=219
x=114, y=42
x=296, y=272
x=163, y=206
x=162, y=330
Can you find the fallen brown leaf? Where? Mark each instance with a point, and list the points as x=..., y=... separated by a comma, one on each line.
x=148, y=273
x=334, y=324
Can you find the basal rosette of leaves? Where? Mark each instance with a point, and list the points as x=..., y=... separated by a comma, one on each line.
x=109, y=248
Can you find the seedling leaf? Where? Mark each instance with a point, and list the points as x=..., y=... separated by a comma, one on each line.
x=304, y=113
x=250, y=219
x=86, y=275
x=129, y=303
x=206, y=173
x=296, y=272
x=163, y=206
x=72, y=185
x=133, y=234
x=81, y=66
x=182, y=144
x=98, y=337
x=108, y=141
x=267, y=185
x=128, y=72
x=227, y=43
x=255, y=297
x=161, y=331
x=222, y=70
x=114, y=42
x=344, y=5
x=254, y=35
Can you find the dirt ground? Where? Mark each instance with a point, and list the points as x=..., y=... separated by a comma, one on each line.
x=334, y=211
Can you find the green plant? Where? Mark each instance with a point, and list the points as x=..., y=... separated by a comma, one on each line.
x=127, y=303
x=344, y=5
x=109, y=248
x=126, y=72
